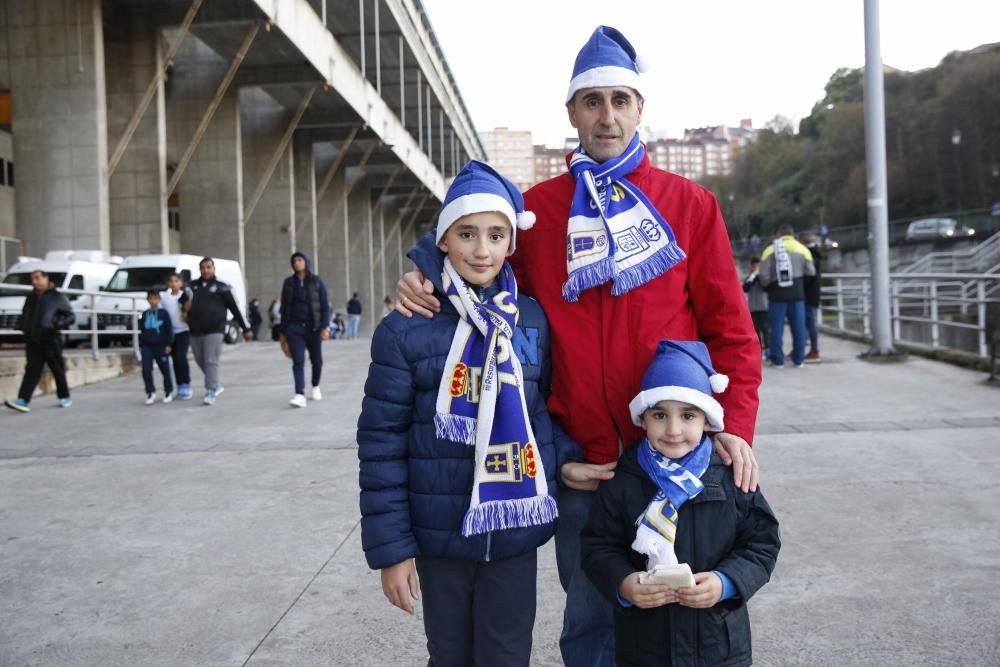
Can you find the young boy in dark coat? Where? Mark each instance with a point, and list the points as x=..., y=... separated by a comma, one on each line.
x=156, y=336
x=672, y=502
x=458, y=454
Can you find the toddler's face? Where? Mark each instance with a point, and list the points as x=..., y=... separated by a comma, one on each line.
x=674, y=428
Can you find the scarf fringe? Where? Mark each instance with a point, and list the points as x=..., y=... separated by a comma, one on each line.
x=456, y=428
x=511, y=513
x=588, y=276
x=653, y=267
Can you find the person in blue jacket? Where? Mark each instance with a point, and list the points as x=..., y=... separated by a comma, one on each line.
x=156, y=336
x=305, y=324
x=458, y=454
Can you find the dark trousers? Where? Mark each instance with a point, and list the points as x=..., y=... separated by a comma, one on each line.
x=149, y=355
x=759, y=318
x=811, y=312
x=478, y=613
x=301, y=338
x=179, y=355
x=41, y=354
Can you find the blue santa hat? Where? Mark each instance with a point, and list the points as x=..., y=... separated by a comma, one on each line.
x=479, y=188
x=607, y=59
x=681, y=371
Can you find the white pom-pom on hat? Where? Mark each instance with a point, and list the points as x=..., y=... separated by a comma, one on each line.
x=643, y=63
x=525, y=220
x=719, y=382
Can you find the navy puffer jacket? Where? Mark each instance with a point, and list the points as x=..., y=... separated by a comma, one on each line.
x=415, y=488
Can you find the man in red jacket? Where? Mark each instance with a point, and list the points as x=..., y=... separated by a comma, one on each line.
x=673, y=278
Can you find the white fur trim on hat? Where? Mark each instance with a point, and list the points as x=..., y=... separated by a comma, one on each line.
x=601, y=77
x=477, y=202
x=644, y=400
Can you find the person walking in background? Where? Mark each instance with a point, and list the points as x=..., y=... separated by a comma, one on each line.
x=757, y=300
x=46, y=312
x=156, y=336
x=353, y=316
x=784, y=265
x=253, y=314
x=305, y=324
x=174, y=300
x=338, y=326
x=206, y=316
x=811, y=285
x=274, y=317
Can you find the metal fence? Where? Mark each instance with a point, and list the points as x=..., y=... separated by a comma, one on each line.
x=126, y=317
x=940, y=310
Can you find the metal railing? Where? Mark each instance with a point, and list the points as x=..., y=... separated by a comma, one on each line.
x=125, y=316
x=983, y=258
x=941, y=310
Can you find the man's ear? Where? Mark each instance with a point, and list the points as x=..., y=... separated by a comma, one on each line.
x=571, y=111
x=639, y=106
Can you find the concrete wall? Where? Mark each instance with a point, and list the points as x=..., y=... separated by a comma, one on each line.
x=138, y=218
x=7, y=223
x=54, y=64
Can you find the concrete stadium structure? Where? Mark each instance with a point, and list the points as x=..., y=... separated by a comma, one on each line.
x=237, y=128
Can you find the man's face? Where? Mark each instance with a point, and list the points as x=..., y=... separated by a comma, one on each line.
x=39, y=281
x=207, y=270
x=605, y=119
x=299, y=264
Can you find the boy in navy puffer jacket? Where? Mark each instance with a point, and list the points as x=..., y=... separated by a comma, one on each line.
x=156, y=335
x=458, y=454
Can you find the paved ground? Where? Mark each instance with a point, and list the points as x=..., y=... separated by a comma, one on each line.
x=187, y=535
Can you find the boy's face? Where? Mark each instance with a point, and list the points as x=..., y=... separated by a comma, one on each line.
x=154, y=301
x=174, y=283
x=674, y=428
x=477, y=246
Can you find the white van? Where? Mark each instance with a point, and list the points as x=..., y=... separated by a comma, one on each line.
x=68, y=269
x=126, y=291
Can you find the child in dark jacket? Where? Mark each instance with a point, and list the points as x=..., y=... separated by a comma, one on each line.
x=156, y=335
x=458, y=454
x=672, y=502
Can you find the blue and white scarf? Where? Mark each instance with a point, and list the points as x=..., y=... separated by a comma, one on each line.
x=481, y=403
x=614, y=233
x=677, y=482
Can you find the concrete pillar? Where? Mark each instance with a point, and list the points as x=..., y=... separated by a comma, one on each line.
x=209, y=193
x=53, y=62
x=306, y=229
x=268, y=232
x=361, y=254
x=138, y=213
x=331, y=216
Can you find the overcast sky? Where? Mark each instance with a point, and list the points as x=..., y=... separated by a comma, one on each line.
x=715, y=61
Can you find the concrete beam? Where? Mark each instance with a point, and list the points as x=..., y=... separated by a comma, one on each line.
x=300, y=23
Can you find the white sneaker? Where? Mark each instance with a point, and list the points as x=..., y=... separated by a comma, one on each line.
x=317, y=395
x=298, y=401
x=219, y=390
x=150, y=399
x=168, y=397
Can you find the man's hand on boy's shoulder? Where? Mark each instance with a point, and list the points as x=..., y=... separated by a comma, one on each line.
x=645, y=596
x=586, y=476
x=415, y=294
x=735, y=451
x=400, y=584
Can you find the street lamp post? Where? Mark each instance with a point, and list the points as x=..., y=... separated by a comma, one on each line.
x=956, y=141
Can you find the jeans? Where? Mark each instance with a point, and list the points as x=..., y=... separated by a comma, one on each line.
x=353, y=322
x=179, y=355
x=588, y=621
x=300, y=339
x=151, y=353
x=794, y=311
x=41, y=354
x=207, y=349
x=811, y=312
x=479, y=613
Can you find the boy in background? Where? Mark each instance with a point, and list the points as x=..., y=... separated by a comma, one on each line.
x=155, y=339
x=174, y=300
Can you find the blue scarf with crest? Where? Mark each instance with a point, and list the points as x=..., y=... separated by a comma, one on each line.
x=677, y=481
x=481, y=403
x=614, y=232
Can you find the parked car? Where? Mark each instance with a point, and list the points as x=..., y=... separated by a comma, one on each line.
x=126, y=291
x=937, y=228
x=68, y=269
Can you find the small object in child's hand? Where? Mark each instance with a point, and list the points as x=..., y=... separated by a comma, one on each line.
x=674, y=576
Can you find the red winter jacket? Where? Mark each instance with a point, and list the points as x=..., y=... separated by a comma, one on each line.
x=602, y=344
